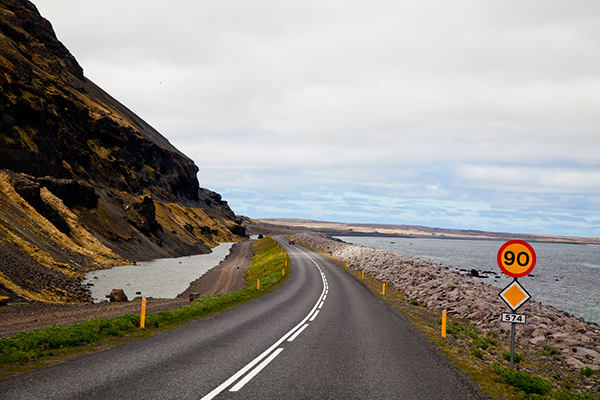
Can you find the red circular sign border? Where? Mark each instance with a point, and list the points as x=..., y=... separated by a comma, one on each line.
x=521, y=242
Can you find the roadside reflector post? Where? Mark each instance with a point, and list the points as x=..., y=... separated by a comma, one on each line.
x=383, y=291
x=282, y=272
x=258, y=284
x=363, y=274
x=286, y=263
x=444, y=316
x=143, y=314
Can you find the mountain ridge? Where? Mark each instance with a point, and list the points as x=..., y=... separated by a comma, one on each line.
x=85, y=183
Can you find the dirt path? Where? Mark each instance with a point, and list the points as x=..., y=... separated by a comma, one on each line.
x=227, y=277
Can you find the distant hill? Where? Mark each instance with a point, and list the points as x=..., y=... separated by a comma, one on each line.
x=293, y=224
x=84, y=182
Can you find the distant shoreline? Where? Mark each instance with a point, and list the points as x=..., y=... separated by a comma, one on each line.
x=404, y=231
x=390, y=235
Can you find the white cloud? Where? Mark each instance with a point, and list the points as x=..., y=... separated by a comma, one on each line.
x=475, y=102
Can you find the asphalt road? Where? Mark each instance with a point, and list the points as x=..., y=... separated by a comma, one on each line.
x=321, y=335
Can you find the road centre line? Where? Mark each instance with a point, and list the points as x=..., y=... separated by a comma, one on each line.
x=256, y=370
x=266, y=353
x=314, y=316
x=298, y=332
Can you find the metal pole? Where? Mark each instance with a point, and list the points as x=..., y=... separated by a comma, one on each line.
x=512, y=345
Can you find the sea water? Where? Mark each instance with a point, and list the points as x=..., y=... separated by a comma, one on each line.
x=566, y=276
x=162, y=278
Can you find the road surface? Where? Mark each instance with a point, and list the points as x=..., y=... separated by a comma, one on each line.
x=321, y=335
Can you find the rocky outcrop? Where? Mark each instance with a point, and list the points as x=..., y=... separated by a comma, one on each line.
x=439, y=288
x=84, y=182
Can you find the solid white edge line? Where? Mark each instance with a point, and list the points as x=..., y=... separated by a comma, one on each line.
x=252, y=363
x=314, y=316
x=255, y=371
x=298, y=332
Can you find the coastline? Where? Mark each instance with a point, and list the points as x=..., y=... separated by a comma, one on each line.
x=467, y=299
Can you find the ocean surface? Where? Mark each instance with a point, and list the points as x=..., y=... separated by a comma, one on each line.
x=163, y=278
x=566, y=276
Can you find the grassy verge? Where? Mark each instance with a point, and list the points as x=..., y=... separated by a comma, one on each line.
x=484, y=358
x=40, y=347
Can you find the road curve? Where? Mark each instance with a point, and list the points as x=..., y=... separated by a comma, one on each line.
x=321, y=335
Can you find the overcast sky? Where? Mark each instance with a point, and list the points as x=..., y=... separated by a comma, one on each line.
x=453, y=114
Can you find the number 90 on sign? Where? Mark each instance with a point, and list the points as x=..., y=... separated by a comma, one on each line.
x=514, y=318
x=516, y=258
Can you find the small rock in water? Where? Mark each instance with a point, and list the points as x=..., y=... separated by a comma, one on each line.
x=117, y=295
x=474, y=273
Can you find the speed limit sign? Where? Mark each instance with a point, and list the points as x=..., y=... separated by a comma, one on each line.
x=516, y=258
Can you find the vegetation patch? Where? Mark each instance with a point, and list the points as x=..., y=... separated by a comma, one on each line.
x=270, y=265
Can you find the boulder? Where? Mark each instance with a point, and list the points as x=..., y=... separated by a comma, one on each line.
x=194, y=296
x=592, y=354
x=575, y=363
x=118, y=295
x=538, y=341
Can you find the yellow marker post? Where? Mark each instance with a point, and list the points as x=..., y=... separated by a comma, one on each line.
x=143, y=314
x=258, y=284
x=286, y=263
x=363, y=274
x=383, y=289
x=283, y=272
x=444, y=314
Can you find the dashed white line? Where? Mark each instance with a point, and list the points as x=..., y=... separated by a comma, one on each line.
x=269, y=352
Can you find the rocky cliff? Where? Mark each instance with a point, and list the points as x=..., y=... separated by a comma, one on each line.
x=84, y=182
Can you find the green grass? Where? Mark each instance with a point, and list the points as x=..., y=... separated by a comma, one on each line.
x=530, y=384
x=268, y=262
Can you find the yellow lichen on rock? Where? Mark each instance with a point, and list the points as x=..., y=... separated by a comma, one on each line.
x=29, y=295
x=80, y=240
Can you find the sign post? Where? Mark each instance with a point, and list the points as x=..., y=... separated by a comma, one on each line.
x=516, y=258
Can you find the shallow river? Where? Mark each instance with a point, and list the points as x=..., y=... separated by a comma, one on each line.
x=163, y=278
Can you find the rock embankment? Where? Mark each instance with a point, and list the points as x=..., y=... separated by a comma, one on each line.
x=466, y=298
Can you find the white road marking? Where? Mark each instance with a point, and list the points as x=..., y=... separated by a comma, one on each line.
x=266, y=353
x=298, y=332
x=256, y=370
x=314, y=316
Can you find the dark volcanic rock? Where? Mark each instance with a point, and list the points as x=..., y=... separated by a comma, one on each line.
x=97, y=172
x=72, y=192
x=57, y=123
x=30, y=191
x=147, y=213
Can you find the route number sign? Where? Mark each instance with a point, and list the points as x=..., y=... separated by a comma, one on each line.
x=515, y=318
x=516, y=258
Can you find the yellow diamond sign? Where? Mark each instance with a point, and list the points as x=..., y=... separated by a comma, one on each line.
x=514, y=295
